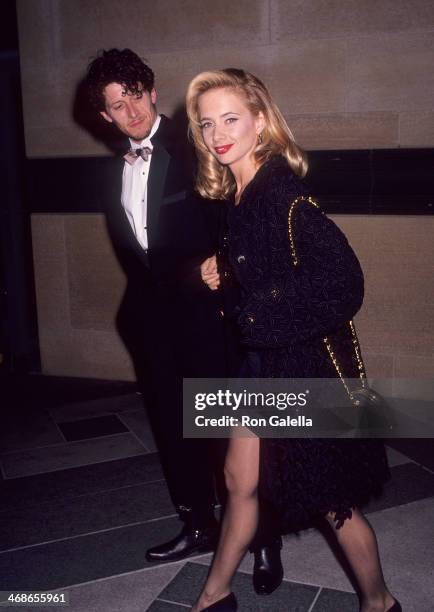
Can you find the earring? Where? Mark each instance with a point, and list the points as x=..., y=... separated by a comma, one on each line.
x=260, y=138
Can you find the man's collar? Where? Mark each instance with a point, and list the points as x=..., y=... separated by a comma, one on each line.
x=146, y=142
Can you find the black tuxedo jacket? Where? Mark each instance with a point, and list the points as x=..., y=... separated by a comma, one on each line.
x=182, y=227
x=165, y=296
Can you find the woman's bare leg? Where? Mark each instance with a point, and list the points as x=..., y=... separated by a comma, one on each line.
x=240, y=520
x=358, y=541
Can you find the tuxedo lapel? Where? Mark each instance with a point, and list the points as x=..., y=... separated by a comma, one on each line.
x=157, y=177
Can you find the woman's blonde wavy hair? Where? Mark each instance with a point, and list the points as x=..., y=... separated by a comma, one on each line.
x=214, y=180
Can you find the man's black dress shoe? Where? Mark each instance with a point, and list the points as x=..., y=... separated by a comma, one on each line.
x=227, y=604
x=267, y=569
x=189, y=541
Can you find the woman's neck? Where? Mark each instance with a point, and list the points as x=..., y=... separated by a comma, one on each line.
x=243, y=174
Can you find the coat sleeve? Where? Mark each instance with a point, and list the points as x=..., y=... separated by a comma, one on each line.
x=308, y=300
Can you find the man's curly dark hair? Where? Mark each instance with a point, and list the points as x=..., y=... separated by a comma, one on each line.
x=114, y=66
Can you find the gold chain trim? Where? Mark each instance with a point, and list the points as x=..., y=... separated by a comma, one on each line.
x=355, y=341
x=291, y=210
x=360, y=364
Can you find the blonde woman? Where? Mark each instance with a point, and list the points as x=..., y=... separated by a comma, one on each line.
x=247, y=155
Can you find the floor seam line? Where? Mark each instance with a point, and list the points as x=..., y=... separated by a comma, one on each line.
x=315, y=599
x=287, y=580
x=176, y=603
x=72, y=467
x=58, y=444
x=134, y=434
x=69, y=499
x=88, y=533
x=114, y=576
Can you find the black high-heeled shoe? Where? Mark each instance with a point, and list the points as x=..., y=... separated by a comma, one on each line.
x=227, y=604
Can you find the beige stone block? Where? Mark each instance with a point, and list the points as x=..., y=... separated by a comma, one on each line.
x=322, y=18
x=51, y=286
x=408, y=286
x=378, y=365
x=394, y=341
x=85, y=353
x=50, y=269
x=46, y=101
x=66, y=141
x=96, y=281
x=391, y=72
x=396, y=319
x=414, y=366
x=99, y=354
x=308, y=76
x=55, y=350
x=66, y=351
x=388, y=313
x=416, y=129
x=43, y=109
x=345, y=131
x=396, y=254
x=403, y=234
x=34, y=19
x=147, y=26
x=174, y=71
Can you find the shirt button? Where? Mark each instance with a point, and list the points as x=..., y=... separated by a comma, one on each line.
x=241, y=259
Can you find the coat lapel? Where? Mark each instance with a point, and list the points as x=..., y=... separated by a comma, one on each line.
x=157, y=177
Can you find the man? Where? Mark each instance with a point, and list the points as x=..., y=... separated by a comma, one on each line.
x=168, y=319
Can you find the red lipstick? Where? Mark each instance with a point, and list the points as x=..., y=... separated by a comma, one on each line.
x=223, y=149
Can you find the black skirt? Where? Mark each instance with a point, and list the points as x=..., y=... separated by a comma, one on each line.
x=304, y=479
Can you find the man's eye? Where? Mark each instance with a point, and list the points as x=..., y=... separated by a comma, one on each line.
x=118, y=107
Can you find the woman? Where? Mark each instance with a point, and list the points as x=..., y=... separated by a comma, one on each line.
x=301, y=285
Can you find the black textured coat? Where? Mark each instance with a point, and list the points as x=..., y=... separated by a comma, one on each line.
x=285, y=312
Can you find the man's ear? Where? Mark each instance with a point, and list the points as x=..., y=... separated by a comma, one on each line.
x=153, y=95
x=106, y=116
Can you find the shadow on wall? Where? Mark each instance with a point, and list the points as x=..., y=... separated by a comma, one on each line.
x=87, y=117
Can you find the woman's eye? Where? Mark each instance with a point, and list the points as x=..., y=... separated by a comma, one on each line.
x=205, y=125
x=231, y=119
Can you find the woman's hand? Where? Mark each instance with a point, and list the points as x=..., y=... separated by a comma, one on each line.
x=209, y=273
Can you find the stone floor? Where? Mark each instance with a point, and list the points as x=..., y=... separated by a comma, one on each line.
x=82, y=497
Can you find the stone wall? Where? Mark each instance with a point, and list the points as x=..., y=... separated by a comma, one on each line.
x=346, y=74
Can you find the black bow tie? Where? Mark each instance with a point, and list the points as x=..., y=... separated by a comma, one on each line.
x=143, y=152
